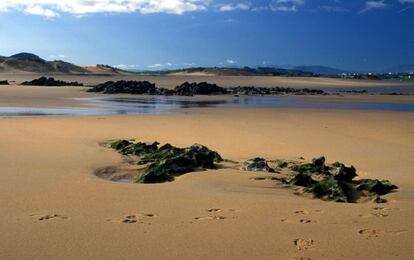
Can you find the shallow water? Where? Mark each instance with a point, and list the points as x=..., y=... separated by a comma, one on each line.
x=373, y=90
x=164, y=105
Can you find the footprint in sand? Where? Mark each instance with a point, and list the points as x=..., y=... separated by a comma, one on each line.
x=300, y=221
x=369, y=233
x=303, y=244
x=303, y=212
x=131, y=219
x=210, y=218
x=378, y=215
x=214, y=210
x=307, y=212
x=49, y=216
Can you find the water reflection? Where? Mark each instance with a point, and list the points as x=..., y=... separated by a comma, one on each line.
x=165, y=105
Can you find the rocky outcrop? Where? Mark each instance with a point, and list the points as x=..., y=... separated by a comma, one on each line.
x=257, y=165
x=203, y=88
x=166, y=162
x=336, y=182
x=330, y=182
x=191, y=89
x=43, y=81
x=4, y=82
x=122, y=86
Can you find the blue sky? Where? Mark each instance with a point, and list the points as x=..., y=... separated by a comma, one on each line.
x=166, y=34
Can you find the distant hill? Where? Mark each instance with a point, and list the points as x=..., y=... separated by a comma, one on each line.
x=27, y=56
x=31, y=63
x=320, y=70
x=245, y=71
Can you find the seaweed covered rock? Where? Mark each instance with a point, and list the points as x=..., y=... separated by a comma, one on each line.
x=345, y=173
x=123, y=86
x=167, y=161
x=49, y=82
x=316, y=166
x=376, y=186
x=257, y=165
x=336, y=182
x=120, y=144
x=4, y=82
x=202, y=88
x=329, y=189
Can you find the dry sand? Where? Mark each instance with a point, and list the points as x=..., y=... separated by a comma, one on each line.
x=53, y=207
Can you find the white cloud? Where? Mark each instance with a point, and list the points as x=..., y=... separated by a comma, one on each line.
x=286, y=5
x=234, y=7
x=52, y=8
x=57, y=56
x=230, y=61
x=125, y=66
x=160, y=65
x=370, y=5
x=39, y=10
x=411, y=2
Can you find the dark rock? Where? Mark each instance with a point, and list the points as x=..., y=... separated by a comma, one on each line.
x=329, y=189
x=258, y=165
x=345, y=173
x=281, y=163
x=303, y=179
x=4, y=82
x=43, y=81
x=319, y=162
x=122, y=86
x=317, y=166
x=168, y=161
x=376, y=186
x=120, y=144
x=203, y=88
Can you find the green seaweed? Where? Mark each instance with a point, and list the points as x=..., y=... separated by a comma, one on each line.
x=167, y=161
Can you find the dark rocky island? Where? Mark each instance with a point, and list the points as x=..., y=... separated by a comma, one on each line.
x=191, y=89
x=43, y=81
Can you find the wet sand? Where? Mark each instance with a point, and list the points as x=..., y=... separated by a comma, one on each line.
x=53, y=207
x=225, y=81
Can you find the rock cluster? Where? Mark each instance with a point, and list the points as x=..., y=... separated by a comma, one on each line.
x=4, y=82
x=191, y=89
x=130, y=87
x=43, y=81
x=257, y=165
x=336, y=182
x=203, y=88
x=166, y=162
x=330, y=182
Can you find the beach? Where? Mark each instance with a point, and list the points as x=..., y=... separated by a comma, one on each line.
x=54, y=207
